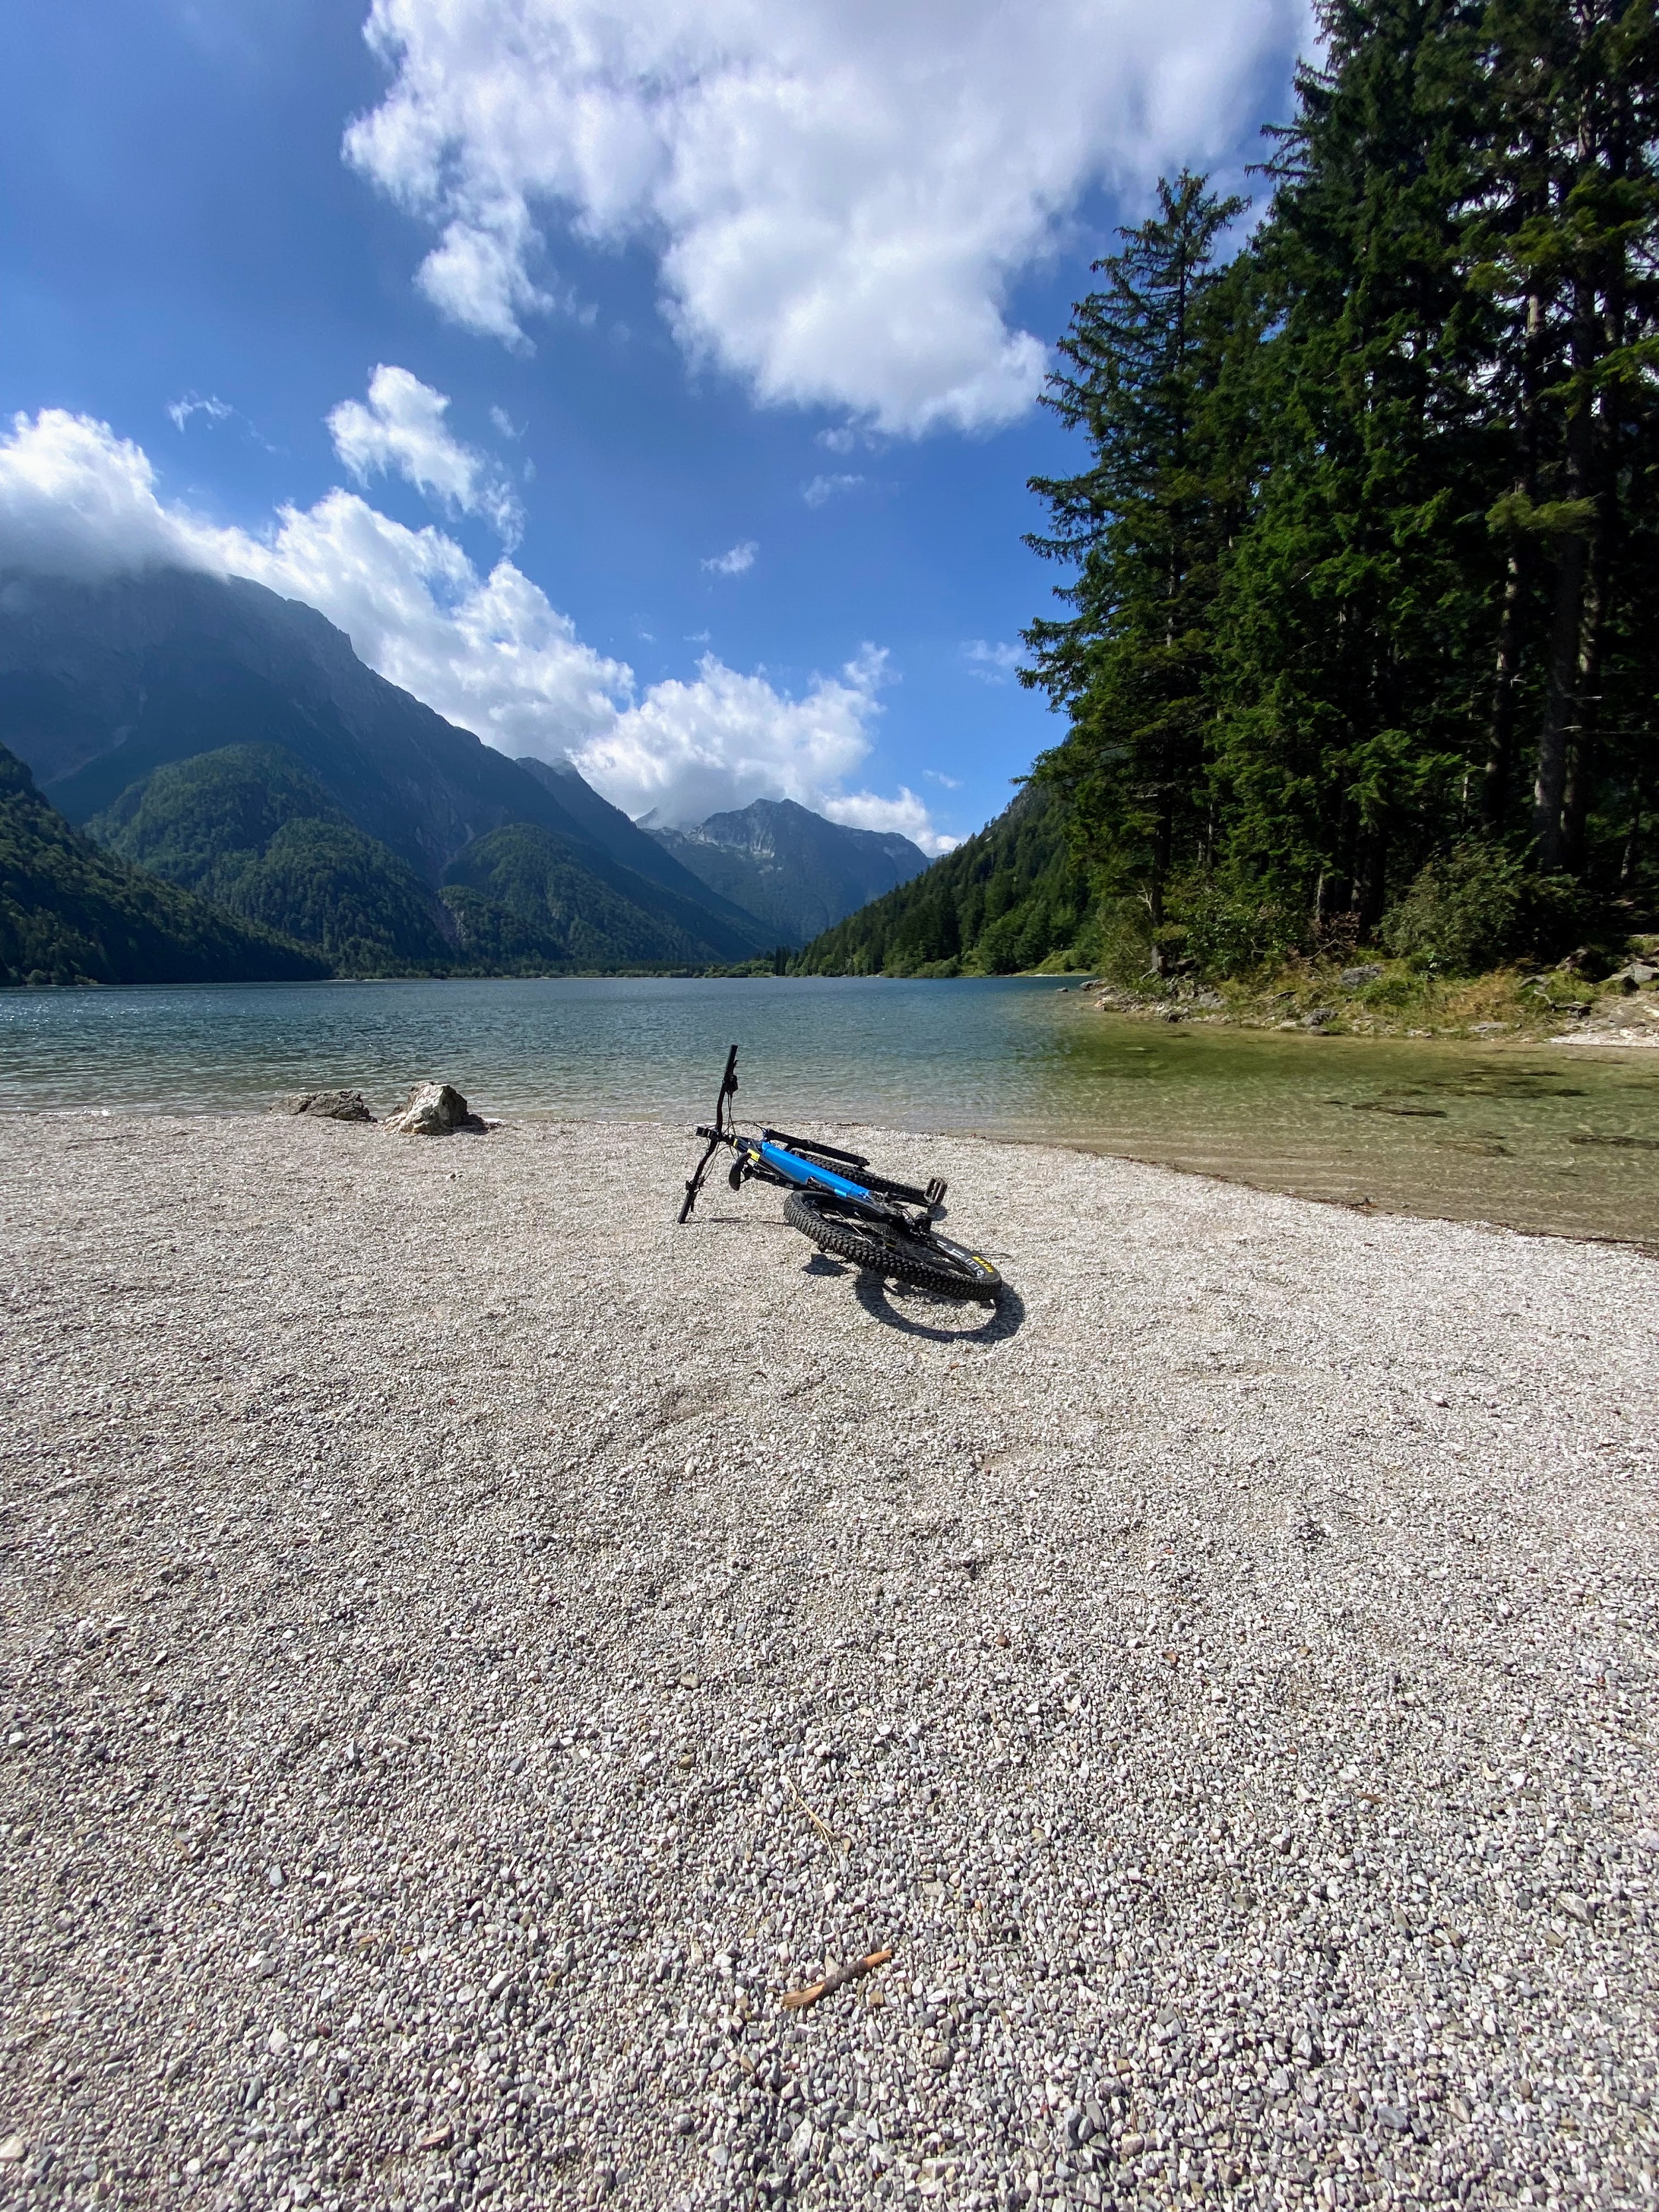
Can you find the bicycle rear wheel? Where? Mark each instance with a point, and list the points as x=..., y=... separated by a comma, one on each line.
x=933, y=1262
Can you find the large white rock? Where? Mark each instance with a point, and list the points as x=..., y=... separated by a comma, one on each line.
x=434, y=1109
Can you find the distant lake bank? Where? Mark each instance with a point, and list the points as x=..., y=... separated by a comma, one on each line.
x=1563, y=1140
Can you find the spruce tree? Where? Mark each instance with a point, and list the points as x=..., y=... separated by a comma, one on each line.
x=1576, y=102
x=1350, y=696
x=1367, y=550
x=1145, y=524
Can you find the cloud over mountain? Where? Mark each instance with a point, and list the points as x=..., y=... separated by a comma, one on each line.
x=692, y=750
x=488, y=652
x=840, y=196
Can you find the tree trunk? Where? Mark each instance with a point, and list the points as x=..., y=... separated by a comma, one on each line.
x=1500, y=750
x=1500, y=743
x=1581, y=763
x=1599, y=584
x=1163, y=839
x=1632, y=852
x=1371, y=881
x=1550, y=785
x=1561, y=703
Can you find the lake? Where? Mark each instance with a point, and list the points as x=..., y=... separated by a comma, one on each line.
x=1538, y=1138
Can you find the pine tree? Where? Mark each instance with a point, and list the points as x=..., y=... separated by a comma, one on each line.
x=1576, y=91
x=1367, y=552
x=1147, y=525
x=1355, y=603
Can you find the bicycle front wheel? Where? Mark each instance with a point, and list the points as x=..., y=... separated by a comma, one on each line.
x=931, y=1262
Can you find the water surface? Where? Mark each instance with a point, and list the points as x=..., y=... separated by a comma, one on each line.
x=1535, y=1137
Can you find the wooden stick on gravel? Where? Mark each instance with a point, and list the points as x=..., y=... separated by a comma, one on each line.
x=823, y=1826
x=798, y=2000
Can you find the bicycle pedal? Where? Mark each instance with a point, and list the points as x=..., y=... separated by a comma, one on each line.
x=935, y=1193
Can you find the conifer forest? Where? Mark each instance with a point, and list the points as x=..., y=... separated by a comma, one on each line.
x=1355, y=639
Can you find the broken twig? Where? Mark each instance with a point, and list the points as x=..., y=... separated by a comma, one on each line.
x=823, y=1826
x=798, y=2000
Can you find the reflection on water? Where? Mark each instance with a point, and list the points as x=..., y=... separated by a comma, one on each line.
x=1559, y=1140
x=1539, y=1139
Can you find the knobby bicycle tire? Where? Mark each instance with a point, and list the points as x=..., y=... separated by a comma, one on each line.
x=931, y=1262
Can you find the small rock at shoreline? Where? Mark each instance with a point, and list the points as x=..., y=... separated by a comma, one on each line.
x=325, y=1105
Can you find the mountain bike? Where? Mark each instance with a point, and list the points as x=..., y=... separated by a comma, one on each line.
x=846, y=1209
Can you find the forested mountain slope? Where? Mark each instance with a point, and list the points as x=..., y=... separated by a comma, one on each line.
x=103, y=684
x=1004, y=901
x=525, y=900
x=71, y=914
x=248, y=827
x=637, y=850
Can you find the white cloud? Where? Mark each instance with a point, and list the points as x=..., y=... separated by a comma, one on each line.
x=825, y=488
x=78, y=501
x=402, y=432
x=737, y=561
x=690, y=750
x=839, y=197
x=488, y=652
x=950, y=783
x=217, y=410
x=862, y=810
x=992, y=664
x=476, y=276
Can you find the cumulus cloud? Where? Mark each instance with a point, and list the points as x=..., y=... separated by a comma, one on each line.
x=738, y=561
x=78, y=501
x=862, y=810
x=839, y=197
x=821, y=488
x=402, y=432
x=688, y=749
x=488, y=652
x=992, y=664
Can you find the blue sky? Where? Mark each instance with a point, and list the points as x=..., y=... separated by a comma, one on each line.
x=691, y=282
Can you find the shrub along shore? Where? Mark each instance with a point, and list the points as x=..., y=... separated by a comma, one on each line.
x=1391, y=999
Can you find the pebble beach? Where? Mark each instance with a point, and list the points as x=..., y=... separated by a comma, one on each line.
x=469, y=1650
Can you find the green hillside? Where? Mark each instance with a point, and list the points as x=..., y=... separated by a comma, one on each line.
x=71, y=914
x=247, y=827
x=1006, y=900
x=525, y=899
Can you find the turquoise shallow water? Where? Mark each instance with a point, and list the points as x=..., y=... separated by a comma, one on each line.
x=1539, y=1139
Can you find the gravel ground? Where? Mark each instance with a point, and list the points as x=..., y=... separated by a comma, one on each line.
x=470, y=1648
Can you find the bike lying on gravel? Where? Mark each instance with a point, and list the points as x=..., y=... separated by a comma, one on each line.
x=885, y=1226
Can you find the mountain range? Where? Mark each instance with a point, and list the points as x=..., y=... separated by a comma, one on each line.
x=797, y=871
x=230, y=742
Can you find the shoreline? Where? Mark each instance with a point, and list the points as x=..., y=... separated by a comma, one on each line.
x=1189, y=1006
x=1646, y=1247
x=473, y=1649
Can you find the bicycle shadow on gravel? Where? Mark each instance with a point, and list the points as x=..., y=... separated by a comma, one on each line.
x=877, y=1296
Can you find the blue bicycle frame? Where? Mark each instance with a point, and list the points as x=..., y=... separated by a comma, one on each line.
x=804, y=1163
